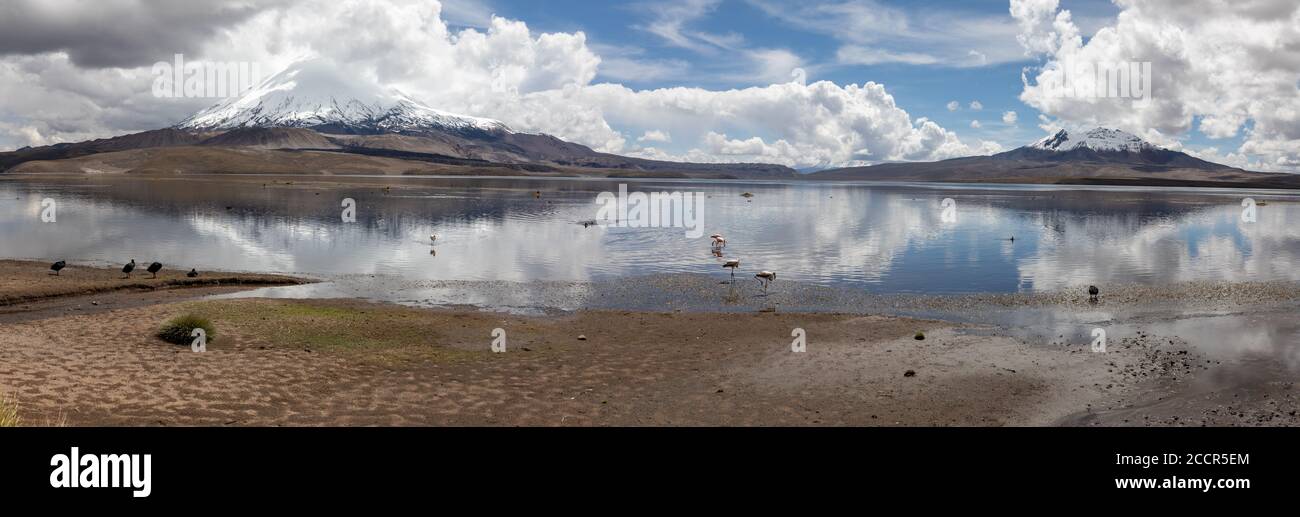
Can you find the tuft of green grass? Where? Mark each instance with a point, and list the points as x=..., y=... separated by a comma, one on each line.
x=378, y=334
x=180, y=330
x=9, y=412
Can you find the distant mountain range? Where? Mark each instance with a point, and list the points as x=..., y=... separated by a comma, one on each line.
x=1099, y=156
x=311, y=119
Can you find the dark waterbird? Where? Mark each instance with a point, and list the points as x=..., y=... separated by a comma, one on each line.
x=129, y=268
x=1093, y=292
x=58, y=266
x=193, y=273
x=154, y=269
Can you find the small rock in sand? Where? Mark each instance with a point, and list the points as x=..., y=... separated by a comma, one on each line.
x=909, y=373
x=582, y=337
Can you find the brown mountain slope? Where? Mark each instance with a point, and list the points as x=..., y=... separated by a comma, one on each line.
x=271, y=138
x=1009, y=168
x=156, y=138
x=490, y=152
x=253, y=160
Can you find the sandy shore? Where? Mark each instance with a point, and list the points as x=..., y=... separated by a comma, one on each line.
x=25, y=282
x=83, y=352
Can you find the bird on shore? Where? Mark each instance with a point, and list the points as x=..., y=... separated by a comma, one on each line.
x=765, y=278
x=129, y=268
x=1093, y=292
x=154, y=269
x=58, y=266
x=732, y=265
x=193, y=273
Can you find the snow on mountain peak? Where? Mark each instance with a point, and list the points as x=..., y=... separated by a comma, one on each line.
x=313, y=93
x=1097, y=139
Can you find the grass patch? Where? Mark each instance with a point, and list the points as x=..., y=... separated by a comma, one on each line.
x=9, y=412
x=383, y=334
x=180, y=330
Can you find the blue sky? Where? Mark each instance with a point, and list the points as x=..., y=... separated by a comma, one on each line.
x=626, y=32
x=626, y=36
x=702, y=80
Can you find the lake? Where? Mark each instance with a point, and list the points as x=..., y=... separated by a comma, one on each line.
x=882, y=238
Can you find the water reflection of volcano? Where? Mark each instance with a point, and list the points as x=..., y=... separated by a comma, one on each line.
x=882, y=238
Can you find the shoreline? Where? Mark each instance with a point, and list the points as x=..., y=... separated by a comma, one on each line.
x=354, y=362
x=26, y=282
x=1083, y=184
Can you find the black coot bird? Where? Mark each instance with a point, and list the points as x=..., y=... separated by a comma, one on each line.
x=58, y=266
x=129, y=268
x=1093, y=292
x=193, y=273
x=154, y=269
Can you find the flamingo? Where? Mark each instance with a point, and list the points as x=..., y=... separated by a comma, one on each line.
x=718, y=240
x=732, y=265
x=433, y=238
x=765, y=278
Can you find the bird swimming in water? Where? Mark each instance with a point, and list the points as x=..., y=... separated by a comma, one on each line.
x=765, y=278
x=732, y=265
x=154, y=269
x=129, y=268
x=193, y=273
x=58, y=266
x=1093, y=292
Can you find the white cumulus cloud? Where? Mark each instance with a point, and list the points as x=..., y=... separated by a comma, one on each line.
x=534, y=82
x=1225, y=69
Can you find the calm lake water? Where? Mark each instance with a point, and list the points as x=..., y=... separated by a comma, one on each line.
x=882, y=238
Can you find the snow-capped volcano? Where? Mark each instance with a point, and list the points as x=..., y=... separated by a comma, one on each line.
x=313, y=94
x=1097, y=139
